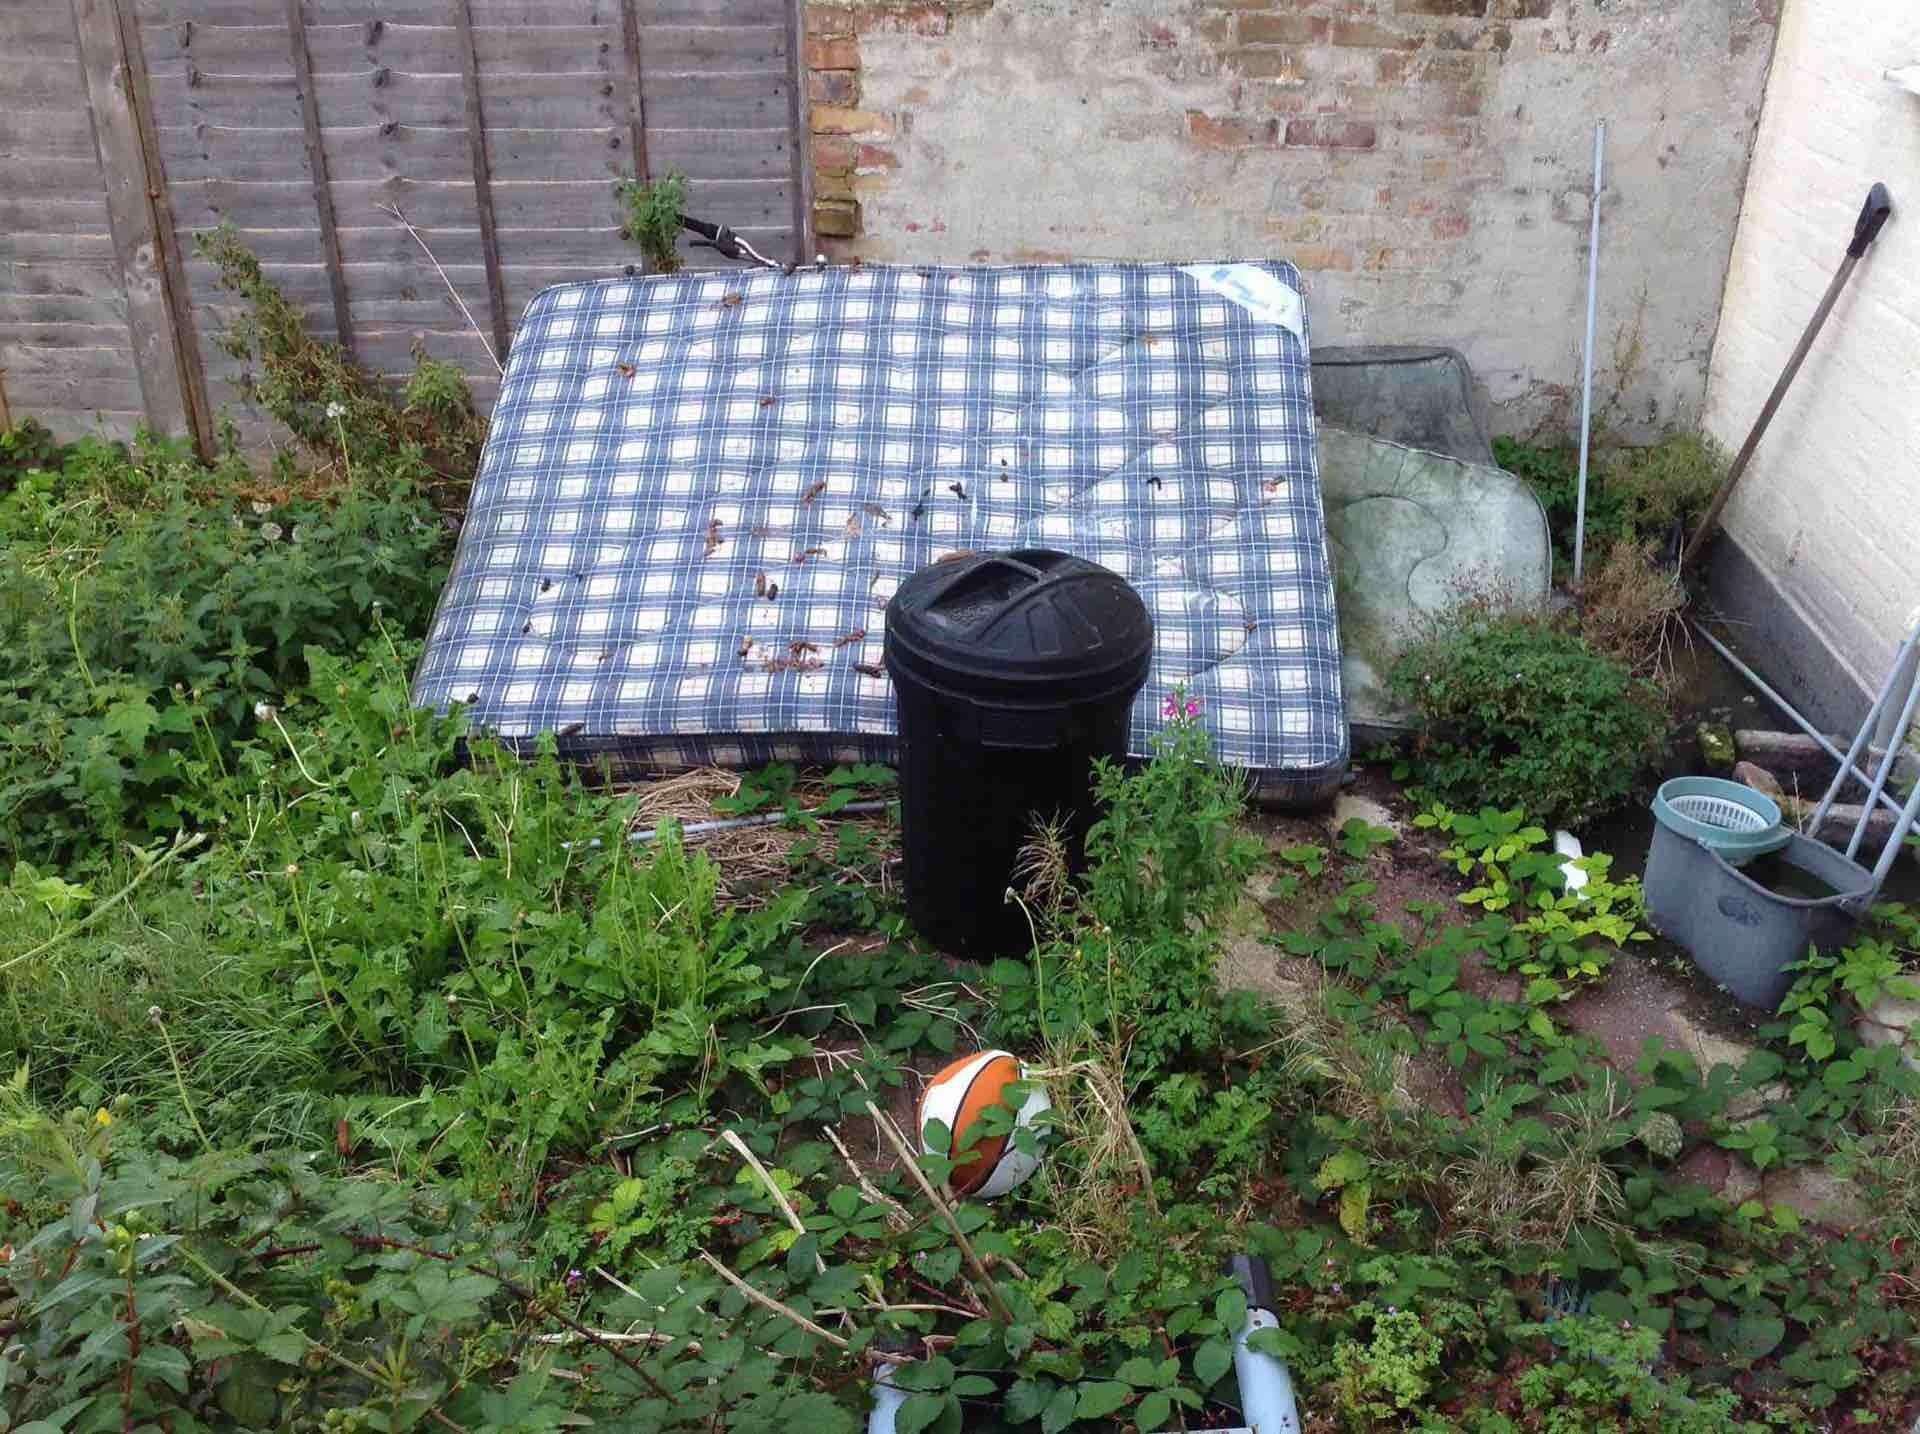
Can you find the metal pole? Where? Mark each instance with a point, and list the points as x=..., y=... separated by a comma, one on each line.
x=1885, y=769
x=1866, y=229
x=1586, y=381
x=1760, y=686
x=1872, y=720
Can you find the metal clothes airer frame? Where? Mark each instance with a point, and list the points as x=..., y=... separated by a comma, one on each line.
x=1876, y=788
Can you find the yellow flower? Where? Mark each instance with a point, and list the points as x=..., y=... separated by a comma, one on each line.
x=101, y=1117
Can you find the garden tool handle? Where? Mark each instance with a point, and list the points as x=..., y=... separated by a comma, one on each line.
x=1873, y=218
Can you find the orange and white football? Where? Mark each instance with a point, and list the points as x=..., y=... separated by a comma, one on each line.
x=957, y=1097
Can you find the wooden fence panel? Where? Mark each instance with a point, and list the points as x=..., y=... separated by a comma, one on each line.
x=269, y=115
x=65, y=355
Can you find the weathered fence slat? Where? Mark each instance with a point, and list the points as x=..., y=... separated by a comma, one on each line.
x=636, y=90
x=158, y=323
x=482, y=182
x=317, y=167
x=798, y=124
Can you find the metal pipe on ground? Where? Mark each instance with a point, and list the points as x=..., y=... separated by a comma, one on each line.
x=1791, y=712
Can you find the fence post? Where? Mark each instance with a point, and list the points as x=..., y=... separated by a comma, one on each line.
x=636, y=93
x=482, y=178
x=166, y=353
x=799, y=122
x=317, y=165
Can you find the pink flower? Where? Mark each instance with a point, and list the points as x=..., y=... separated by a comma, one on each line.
x=1170, y=709
x=1193, y=708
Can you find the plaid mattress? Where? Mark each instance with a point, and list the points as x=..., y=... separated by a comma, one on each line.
x=699, y=491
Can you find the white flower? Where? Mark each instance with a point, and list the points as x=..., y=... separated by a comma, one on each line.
x=336, y=410
x=271, y=532
x=264, y=712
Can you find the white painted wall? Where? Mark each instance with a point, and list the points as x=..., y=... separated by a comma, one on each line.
x=1830, y=510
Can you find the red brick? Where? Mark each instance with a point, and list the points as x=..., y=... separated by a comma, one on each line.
x=1525, y=9
x=832, y=154
x=834, y=54
x=1269, y=29
x=1331, y=134
x=1230, y=133
x=833, y=87
x=1371, y=35
x=1158, y=37
x=829, y=20
x=1452, y=226
x=836, y=119
x=1455, y=8
x=874, y=157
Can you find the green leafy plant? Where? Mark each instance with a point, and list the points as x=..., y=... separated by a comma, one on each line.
x=430, y=439
x=1556, y=930
x=653, y=209
x=1519, y=713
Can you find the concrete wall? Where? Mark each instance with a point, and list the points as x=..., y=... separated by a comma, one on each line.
x=1425, y=162
x=1828, y=517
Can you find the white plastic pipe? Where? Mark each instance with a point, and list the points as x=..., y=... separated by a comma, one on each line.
x=1586, y=381
x=1266, y=1388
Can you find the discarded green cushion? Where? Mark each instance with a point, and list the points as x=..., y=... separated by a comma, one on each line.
x=1411, y=531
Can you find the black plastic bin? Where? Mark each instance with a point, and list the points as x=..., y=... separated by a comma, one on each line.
x=1012, y=673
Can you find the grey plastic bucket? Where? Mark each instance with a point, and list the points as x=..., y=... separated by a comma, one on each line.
x=1738, y=932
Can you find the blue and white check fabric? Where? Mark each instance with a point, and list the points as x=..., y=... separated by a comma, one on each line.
x=699, y=491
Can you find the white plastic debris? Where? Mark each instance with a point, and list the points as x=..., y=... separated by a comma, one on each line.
x=1568, y=845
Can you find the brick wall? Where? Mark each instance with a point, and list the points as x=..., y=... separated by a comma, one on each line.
x=1827, y=513
x=1425, y=162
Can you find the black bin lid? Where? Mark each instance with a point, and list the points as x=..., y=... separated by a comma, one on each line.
x=1030, y=626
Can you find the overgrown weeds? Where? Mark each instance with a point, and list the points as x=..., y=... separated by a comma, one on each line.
x=430, y=439
x=653, y=209
x=1519, y=711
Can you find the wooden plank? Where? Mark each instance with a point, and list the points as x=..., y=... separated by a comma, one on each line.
x=107, y=305
x=78, y=362
x=436, y=204
x=482, y=181
x=65, y=133
x=733, y=48
x=44, y=393
x=20, y=215
x=800, y=165
x=81, y=244
x=632, y=52
x=55, y=276
x=52, y=178
x=317, y=170
x=39, y=29
x=147, y=318
x=393, y=12
x=387, y=243
x=63, y=336
x=718, y=99
x=421, y=49
x=373, y=153
x=572, y=100
x=37, y=84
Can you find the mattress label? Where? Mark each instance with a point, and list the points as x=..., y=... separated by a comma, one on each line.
x=1255, y=290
